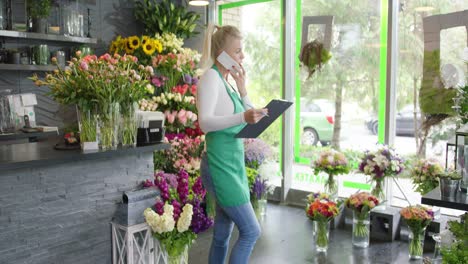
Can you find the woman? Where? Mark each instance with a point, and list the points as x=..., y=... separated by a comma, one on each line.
x=223, y=112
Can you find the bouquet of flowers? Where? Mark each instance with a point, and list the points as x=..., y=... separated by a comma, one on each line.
x=317, y=196
x=450, y=174
x=178, y=215
x=425, y=175
x=322, y=212
x=380, y=164
x=97, y=85
x=174, y=69
x=361, y=204
x=256, y=151
x=143, y=47
x=184, y=154
x=333, y=163
x=417, y=218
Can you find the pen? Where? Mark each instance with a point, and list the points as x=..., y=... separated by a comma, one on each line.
x=251, y=106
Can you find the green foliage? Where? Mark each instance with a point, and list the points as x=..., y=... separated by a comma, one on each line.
x=166, y=17
x=39, y=8
x=463, y=94
x=457, y=253
x=175, y=242
x=251, y=175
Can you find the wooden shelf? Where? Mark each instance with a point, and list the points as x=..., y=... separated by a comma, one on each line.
x=27, y=67
x=49, y=37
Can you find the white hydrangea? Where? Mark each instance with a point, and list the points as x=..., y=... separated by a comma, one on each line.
x=185, y=218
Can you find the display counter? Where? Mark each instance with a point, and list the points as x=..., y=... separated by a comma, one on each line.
x=56, y=206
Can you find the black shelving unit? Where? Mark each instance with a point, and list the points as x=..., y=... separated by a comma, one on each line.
x=48, y=37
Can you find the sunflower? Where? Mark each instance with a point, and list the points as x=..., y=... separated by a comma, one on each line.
x=149, y=47
x=145, y=39
x=133, y=42
x=128, y=47
x=158, y=45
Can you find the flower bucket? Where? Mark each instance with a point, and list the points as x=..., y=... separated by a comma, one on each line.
x=448, y=187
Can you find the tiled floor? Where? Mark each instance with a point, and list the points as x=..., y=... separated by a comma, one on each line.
x=286, y=239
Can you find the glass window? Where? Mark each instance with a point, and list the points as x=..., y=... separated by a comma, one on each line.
x=431, y=40
x=342, y=95
x=259, y=22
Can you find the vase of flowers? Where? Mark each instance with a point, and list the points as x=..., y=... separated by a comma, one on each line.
x=417, y=218
x=425, y=175
x=311, y=198
x=332, y=163
x=105, y=83
x=87, y=125
x=361, y=204
x=178, y=215
x=321, y=212
x=259, y=173
x=378, y=165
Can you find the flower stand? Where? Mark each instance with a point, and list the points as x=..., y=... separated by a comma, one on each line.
x=385, y=224
x=132, y=244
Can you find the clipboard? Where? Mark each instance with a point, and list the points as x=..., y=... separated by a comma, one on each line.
x=275, y=108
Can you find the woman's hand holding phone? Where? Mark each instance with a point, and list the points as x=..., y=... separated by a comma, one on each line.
x=239, y=77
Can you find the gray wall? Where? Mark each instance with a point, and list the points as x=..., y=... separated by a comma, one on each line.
x=62, y=213
x=109, y=18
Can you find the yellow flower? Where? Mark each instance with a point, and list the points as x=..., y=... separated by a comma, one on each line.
x=149, y=48
x=128, y=48
x=158, y=45
x=145, y=39
x=133, y=42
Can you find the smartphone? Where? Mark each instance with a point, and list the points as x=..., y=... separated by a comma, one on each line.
x=227, y=62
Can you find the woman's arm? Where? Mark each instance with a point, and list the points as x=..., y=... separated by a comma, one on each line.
x=208, y=95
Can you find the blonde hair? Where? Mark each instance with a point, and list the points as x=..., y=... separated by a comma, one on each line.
x=216, y=38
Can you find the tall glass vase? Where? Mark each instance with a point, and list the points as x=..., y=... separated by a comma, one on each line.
x=322, y=229
x=331, y=187
x=361, y=223
x=88, y=125
x=109, y=118
x=379, y=192
x=416, y=242
x=128, y=131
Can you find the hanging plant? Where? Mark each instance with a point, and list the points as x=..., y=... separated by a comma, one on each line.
x=313, y=56
x=166, y=17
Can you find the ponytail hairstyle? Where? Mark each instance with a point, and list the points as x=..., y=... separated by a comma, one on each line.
x=216, y=38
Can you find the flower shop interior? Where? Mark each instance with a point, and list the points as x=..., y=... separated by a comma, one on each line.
x=100, y=145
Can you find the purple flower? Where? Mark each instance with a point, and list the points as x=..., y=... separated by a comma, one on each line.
x=259, y=188
x=182, y=186
x=161, y=183
x=172, y=136
x=159, y=207
x=194, y=80
x=148, y=183
x=197, y=188
x=200, y=221
x=256, y=151
x=177, y=209
x=187, y=79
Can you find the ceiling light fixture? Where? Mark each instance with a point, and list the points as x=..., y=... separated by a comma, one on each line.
x=199, y=2
x=424, y=9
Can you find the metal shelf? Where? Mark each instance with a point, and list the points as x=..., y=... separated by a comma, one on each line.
x=31, y=136
x=26, y=67
x=50, y=37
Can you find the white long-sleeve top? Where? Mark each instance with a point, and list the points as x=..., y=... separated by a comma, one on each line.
x=215, y=107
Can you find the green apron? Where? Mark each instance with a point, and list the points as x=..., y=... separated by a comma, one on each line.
x=226, y=159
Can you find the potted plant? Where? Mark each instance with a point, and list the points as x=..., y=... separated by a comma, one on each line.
x=39, y=11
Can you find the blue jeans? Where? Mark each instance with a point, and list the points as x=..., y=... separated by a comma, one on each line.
x=244, y=218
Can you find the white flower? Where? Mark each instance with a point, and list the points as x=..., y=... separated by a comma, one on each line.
x=185, y=218
x=381, y=161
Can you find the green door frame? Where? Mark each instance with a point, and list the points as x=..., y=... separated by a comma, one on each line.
x=225, y=6
x=382, y=79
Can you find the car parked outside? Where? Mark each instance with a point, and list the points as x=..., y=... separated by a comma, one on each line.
x=404, y=122
x=317, y=122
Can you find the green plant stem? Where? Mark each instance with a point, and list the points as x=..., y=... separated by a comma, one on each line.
x=322, y=234
x=128, y=131
x=88, y=128
x=361, y=229
x=415, y=245
x=330, y=185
